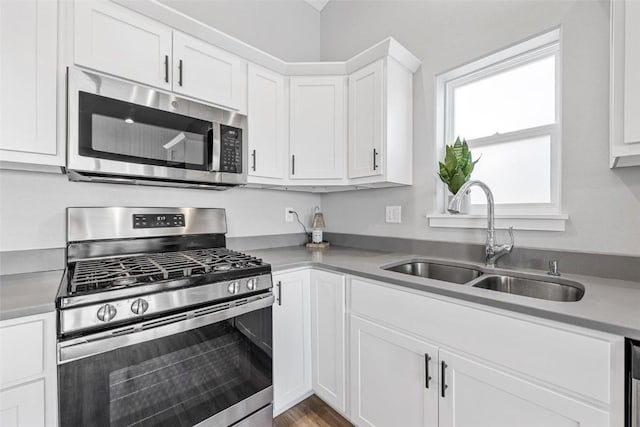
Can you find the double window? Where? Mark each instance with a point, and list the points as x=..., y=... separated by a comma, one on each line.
x=507, y=106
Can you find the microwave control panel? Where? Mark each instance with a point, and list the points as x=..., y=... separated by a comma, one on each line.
x=230, y=149
x=158, y=220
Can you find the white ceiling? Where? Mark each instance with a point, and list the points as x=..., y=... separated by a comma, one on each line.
x=317, y=4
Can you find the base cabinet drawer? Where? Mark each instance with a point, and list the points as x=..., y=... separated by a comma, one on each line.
x=23, y=405
x=22, y=353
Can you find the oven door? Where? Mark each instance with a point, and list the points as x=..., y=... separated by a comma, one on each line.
x=210, y=366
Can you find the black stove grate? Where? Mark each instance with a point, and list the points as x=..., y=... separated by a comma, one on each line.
x=109, y=273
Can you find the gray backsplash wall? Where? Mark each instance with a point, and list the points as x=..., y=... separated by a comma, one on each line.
x=598, y=265
x=603, y=204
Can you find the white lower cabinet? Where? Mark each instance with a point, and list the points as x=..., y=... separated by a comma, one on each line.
x=28, y=386
x=291, y=339
x=328, y=337
x=393, y=377
x=23, y=405
x=413, y=359
x=477, y=395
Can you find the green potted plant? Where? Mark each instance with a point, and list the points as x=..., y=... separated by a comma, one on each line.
x=456, y=169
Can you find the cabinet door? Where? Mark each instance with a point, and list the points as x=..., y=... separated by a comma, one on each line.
x=205, y=72
x=328, y=337
x=366, y=121
x=28, y=73
x=115, y=40
x=23, y=406
x=393, y=377
x=317, y=127
x=291, y=340
x=632, y=73
x=477, y=395
x=267, y=123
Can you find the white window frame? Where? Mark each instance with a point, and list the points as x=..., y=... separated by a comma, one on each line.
x=528, y=216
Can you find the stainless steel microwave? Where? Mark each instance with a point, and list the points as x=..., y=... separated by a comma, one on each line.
x=122, y=132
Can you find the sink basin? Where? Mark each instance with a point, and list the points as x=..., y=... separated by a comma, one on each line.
x=552, y=291
x=431, y=270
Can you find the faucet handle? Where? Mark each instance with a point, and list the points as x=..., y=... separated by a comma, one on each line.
x=510, y=246
x=553, y=268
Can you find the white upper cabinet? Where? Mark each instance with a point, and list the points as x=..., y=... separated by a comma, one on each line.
x=114, y=40
x=380, y=124
x=206, y=72
x=366, y=120
x=28, y=82
x=317, y=127
x=266, y=112
x=625, y=84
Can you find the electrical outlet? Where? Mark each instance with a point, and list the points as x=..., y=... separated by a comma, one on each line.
x=288, y=216
x=393, y=214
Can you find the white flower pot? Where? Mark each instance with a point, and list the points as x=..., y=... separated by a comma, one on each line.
x=465, y=206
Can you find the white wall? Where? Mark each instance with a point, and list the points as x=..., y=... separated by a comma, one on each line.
x=603, y=204
x=32, y=207
x=287, y=29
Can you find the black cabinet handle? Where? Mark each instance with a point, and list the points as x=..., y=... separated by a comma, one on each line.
x=180, y=72
x=293, y=164
x=375, y=155
x=427, y=377
x=443, y=386
x=279, y=286
x=166, y=68
x=253, y=155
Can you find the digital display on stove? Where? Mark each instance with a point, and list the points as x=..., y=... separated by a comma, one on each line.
x=158, y=220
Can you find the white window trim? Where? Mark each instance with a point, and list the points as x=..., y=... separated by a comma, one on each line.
x=547, y=217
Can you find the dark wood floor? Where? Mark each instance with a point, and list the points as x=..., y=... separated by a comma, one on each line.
x=311, y=412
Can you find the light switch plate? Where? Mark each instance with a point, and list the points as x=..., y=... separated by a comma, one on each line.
x=393, y=214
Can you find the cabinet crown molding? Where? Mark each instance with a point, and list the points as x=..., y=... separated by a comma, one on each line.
x=388, y=47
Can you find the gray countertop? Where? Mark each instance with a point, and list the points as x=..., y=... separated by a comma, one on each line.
x=608, y=305
x=28, y=293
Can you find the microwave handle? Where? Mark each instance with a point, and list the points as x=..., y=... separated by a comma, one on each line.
x=214, y=147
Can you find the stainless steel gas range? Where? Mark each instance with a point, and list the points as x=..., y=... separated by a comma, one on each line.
x=160, y=324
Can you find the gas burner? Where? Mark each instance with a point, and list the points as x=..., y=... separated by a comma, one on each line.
x=109, y=273
x=124, y=281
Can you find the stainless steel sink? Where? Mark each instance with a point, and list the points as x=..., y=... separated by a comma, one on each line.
x=431, y=270
x=566, y=291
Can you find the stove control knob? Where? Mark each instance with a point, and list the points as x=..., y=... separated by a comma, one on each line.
x=106, y=313
x=251, y=284
x=139, y=306
x=233, y=288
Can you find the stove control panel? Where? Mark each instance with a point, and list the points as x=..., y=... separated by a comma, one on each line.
x=158, y=220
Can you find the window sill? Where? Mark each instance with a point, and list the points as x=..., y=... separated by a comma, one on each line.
x=546, y=222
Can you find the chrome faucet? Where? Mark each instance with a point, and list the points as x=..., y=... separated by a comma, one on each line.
x=493, y=251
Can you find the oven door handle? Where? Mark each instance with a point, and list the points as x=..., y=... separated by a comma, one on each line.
x=102, y=342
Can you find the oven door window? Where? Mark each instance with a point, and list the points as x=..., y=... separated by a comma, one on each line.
x=178, y=380
x=117, y=130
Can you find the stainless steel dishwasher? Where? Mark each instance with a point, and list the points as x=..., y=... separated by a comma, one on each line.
x=633, y=387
